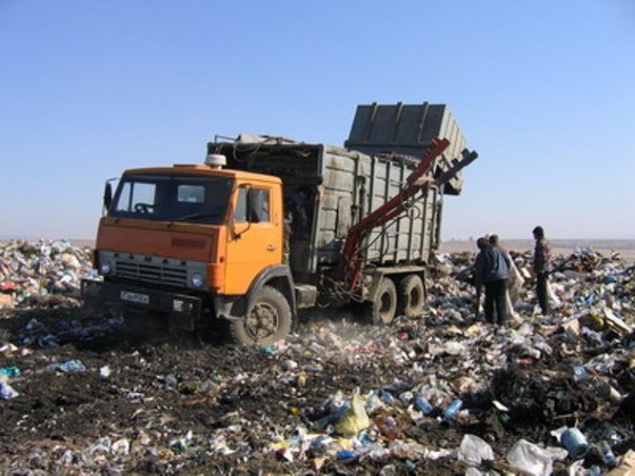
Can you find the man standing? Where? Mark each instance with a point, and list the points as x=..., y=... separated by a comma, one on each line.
x=514, y=282
x=541, y=267
x=492, y=271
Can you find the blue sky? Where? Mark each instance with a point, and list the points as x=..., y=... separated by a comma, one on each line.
x=543, y=90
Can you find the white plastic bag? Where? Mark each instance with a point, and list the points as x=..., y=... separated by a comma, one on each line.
x=474, y=450
x=554, y=300
x=530, y=458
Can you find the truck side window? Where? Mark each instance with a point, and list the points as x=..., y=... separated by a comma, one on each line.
x=134, y=194
x=253, y=205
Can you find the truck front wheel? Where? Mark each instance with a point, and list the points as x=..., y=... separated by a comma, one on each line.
x=411, y=296
x=267, y=321
x=382, y=310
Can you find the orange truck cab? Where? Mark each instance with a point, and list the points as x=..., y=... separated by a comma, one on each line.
x=190, y=240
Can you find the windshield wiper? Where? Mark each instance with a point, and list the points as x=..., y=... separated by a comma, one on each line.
x=194, y=216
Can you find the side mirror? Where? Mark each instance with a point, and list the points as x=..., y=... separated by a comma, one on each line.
x=107, y=196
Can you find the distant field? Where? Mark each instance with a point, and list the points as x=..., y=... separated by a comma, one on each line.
x=626, y=248
x=84, y=243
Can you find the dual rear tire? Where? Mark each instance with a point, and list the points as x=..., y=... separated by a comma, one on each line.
x=412, y=296
x=406, y=300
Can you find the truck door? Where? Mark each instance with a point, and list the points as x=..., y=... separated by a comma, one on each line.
x=255, y=241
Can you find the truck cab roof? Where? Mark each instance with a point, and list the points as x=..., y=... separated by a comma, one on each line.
x=202, y=169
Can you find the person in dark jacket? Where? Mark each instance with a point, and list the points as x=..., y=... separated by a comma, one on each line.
x=492, y=272
x=541, y=266
x=514, y=282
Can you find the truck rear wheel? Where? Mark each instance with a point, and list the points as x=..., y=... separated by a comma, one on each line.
x=411, y=296
x=268, y=320
x=384, y=307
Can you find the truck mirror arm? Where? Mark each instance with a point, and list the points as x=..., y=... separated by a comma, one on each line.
x=237, y=235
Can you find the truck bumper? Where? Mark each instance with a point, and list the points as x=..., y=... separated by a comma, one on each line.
x=182, y=310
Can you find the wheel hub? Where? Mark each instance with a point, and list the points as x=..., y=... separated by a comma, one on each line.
x=262, y=321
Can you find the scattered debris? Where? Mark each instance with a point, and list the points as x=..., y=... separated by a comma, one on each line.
x=42, y=273
x=446, y=393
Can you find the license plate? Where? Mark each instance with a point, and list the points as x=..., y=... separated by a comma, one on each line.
x=137, y=298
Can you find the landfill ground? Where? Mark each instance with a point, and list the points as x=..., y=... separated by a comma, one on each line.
x=87, y=392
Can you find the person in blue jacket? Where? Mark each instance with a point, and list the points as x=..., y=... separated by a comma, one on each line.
x=492, y=272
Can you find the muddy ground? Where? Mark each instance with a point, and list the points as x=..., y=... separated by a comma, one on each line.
x=98, y=395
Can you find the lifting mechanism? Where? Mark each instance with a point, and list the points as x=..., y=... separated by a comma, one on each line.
x=352, y=258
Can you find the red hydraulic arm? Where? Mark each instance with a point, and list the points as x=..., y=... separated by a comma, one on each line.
x=351, y=260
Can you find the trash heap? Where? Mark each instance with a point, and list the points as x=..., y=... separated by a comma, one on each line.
x=443, y=394
x=43, y=272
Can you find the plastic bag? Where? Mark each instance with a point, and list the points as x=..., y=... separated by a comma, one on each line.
x=530, y=458
x=551, y=296
x=474, y=450
x=354, y=419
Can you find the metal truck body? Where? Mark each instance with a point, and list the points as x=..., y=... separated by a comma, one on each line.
x=209, y=241
x=343, y=187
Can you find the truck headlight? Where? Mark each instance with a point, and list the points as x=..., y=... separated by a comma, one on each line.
x=105, y=267
x=196, y=280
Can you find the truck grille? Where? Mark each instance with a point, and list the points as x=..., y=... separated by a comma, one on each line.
x=154, y=273
x=155, y=270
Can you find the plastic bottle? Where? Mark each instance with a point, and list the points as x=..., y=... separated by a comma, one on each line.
x=607, y=454
x=575, y=442
x=71, y=366
x=10, y=371
x=453, y=409
x=424, y=405
x=345, y=454
x=579, y=372
x=387, y=397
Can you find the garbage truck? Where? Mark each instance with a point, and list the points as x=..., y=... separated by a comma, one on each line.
x=269, y=226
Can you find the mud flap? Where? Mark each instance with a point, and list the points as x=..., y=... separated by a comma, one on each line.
x=185, y=312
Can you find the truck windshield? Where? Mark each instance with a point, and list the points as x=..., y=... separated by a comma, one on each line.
x=173, y=198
